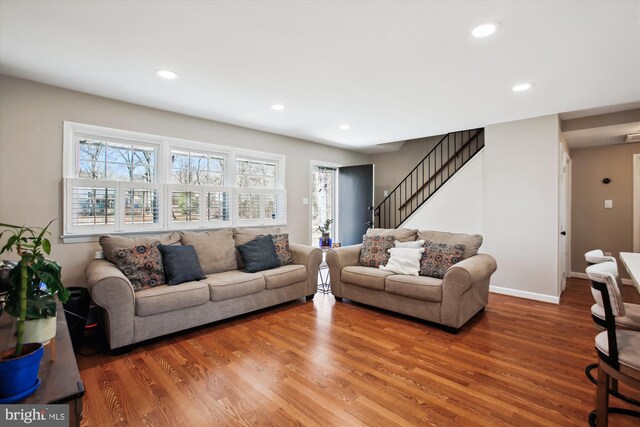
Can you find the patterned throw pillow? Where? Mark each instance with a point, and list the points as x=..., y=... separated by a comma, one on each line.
x=374, y=250
x=142, y=264
x=438, y=257
x=281, y=242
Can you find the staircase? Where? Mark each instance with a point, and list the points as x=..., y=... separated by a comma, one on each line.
x=453, y=151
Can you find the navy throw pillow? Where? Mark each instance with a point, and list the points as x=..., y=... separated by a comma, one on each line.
x=259, y=254
x=180, y=264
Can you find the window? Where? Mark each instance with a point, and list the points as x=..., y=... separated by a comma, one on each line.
x=255, y=173
x=259, y=201
x=323, y=197
x=197, y=168
x=119, y=181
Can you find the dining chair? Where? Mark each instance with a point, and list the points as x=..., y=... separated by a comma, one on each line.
x=630, y=320
x=618, y=350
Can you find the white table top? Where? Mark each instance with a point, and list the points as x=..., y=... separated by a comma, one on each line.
x=631, y=261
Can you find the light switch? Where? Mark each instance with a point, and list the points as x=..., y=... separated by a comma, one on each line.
x=385, y=193
x=608, y=204
x=305, y=201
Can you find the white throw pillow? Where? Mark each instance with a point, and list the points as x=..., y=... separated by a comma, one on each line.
x=404, y=261
x=416, y=244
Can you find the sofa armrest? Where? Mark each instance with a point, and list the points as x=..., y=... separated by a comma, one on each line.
x=337, y=259
x=465, y=289
x=111, y=290
x=311, y=258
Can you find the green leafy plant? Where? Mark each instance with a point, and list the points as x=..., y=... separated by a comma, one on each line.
x=35, y=281
x=326, y=227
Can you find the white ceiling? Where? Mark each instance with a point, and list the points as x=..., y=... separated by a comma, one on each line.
x=393, y=70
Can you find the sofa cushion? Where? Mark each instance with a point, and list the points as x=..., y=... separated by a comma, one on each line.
x=400, y=234
x=374, y=250
x=416, y=287
x=365, y=277
x=471, y=242
x=281, y=243
x=233, y=284
x=142, y=264
x=180, y=264
x=438, y=257
x=109, y=243
x=284, y=276
x=166, y=298
x=415, y=244
x=245, y=235
x=404, y=261
x=259, y=254
x=216, y=250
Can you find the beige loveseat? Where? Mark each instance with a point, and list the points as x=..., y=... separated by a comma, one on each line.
x=131, y=317
x=450, y=301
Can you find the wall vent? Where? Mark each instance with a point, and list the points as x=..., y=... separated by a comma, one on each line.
x=632, y=137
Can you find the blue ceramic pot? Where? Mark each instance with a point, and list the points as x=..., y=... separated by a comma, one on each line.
x=19, y=374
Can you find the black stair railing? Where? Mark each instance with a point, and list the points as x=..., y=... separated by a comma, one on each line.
x=453, y=151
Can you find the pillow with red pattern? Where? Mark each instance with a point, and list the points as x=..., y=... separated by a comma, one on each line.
x=142, y=264
x=438, y=257
x=374, y=250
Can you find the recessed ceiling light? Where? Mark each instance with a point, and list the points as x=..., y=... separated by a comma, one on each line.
x=484, y=30
x=167, y=74
x=521, y=87
x=277, y=107
x=345, y=127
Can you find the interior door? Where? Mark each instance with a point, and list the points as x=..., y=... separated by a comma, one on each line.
x=564, y=206
x=355, y=203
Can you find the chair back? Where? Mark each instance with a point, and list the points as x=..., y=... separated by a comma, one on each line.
x=596, y=256
x=605, y=290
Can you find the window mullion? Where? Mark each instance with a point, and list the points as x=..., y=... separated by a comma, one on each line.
x=120, y=205
x=203, y=202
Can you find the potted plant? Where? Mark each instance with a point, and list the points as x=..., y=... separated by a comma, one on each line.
x=33, y=285
x=325, y=240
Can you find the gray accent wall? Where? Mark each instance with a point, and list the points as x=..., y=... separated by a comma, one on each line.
x=31, y=118
x=593, y=226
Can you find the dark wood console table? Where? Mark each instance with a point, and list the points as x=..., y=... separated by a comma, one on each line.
x=61, y=382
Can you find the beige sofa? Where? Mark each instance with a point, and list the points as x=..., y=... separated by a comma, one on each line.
x=131, y=317
x=450, y=301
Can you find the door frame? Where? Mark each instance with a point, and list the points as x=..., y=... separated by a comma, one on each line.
x=564, y=219
x=636, y=202
x=320, y=163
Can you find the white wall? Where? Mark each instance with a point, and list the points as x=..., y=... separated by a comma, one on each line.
x=31, y=117
x=457, y=206
x=509, y=194
x=520, y=207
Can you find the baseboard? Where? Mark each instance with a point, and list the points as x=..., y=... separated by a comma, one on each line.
x=584, y=276
x=524, y=294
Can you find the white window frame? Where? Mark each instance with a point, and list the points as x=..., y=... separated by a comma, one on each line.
x=73, y=132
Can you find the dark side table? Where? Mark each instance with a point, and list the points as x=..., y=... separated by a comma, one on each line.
x=61, y=382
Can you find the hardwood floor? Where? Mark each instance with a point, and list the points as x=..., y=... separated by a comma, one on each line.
x=520, y=363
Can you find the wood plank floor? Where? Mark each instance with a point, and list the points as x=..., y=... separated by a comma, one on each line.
x=520, y=363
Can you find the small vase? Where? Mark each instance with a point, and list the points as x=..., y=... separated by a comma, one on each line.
x=325, y=240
